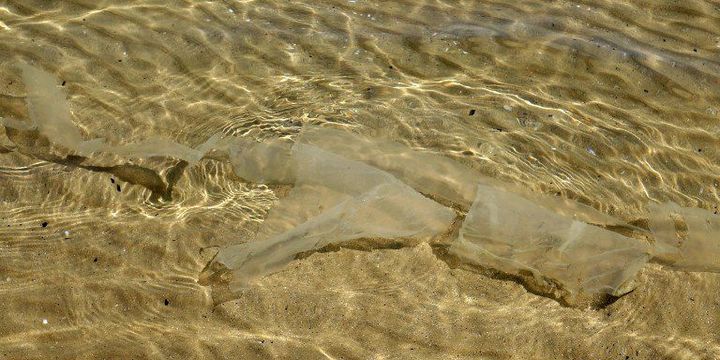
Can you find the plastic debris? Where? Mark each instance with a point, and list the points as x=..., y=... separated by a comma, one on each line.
x=510, y=233
x=334, y=200
x=685, y=238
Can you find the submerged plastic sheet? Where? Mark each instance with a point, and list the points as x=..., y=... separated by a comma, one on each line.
x=334, y=200
x=48, y=107
x=265, y=163
x=686, y=238
x=328, y=186
x=437, y=176
x=50, y=116
x=510, y=233
x=428, y=173
x=350, y=187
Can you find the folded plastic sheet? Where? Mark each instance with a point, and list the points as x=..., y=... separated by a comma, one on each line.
x=510, y=233
x=385, y=212
x=685, y=238
x=50, y=115
x=329, y=185
x=440, y=177
x=264, y=163
x=48, y=108
x=428, y=173
x=348, y=187
x=334, y=200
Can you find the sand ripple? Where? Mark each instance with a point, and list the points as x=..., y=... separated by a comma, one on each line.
x=610, y=103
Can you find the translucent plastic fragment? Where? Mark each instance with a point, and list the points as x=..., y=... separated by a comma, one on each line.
x=301, y=204
x=385, y=212
x=686, y=238
x=323, y=181
x=48, y=107
x=16, y=124
x=50, y=116
x=334, y=200
x=428, y=173
x=435, y=175
x=510, y=233
x=315, y=166
x=264, y=163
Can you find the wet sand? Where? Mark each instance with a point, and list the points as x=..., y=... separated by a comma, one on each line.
x=612, y=104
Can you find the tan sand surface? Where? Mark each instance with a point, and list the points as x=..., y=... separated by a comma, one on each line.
x=610, y=103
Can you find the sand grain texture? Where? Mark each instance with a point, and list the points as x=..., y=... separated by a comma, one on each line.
x=611, y=104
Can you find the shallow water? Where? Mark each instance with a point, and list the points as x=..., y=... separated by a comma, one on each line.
x=609, y=103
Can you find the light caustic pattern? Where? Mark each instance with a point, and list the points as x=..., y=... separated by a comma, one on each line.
x=335, y=199
x=541, y=151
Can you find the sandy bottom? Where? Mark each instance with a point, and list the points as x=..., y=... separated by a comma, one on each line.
x=614, y=105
